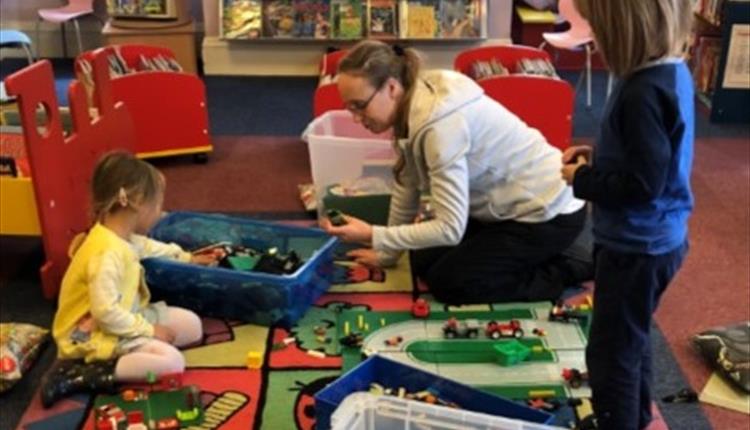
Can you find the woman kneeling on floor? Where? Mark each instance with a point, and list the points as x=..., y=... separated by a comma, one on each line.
x=504, y=219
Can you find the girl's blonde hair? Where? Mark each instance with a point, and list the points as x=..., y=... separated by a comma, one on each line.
x=119, y=177
x=630, y=33
x=377, y=62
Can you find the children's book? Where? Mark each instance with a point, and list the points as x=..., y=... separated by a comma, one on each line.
x=241, y=19
x=383, y=19
x=421, y=19
x=347, y=17
x=460, y=19
x=311, y=19
x=278, y=18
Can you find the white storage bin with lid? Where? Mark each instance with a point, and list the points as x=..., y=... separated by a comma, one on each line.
x=365, y=411
x=342, y=150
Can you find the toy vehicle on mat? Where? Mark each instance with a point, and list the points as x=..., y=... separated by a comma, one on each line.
x=574, y=377
x=465, y=329
x=496, y=330
x=565, y=313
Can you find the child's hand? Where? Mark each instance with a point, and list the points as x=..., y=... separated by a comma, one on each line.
x=355, y=230
x=568, y=171
x=208, y=258
x=164, y=333
x=572, y=154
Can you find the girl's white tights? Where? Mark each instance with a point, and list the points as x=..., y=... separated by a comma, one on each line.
x=158, y=356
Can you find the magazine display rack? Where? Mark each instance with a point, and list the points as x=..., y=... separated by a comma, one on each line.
x=353, y=19
x=168, y=106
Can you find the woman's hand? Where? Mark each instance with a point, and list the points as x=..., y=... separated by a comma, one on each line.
x=568, y=171
x=164, y=333
x=572, y=154
x=364, y=256
x=355, y=230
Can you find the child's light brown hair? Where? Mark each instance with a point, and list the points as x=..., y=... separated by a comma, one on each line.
x=630, y=33
x=121, y=177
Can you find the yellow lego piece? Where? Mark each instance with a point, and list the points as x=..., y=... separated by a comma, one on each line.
x=254, y=360
x=541, y=394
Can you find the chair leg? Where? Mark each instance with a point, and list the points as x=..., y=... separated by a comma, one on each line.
x=78, y=36
x=36, y=33
x=588, y=76
x=29, y=55
x=64, y=40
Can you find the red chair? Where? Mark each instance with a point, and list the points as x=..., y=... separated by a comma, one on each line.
x=542, y=103
x=326, y=98
x=329, y=64
x=71, y=12
x=61, y=166
x=327, y=95
x=507, y=55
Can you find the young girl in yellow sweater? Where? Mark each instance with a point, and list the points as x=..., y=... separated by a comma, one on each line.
x=106, y=328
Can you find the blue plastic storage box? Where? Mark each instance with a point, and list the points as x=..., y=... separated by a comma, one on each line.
x=253, y=297
x=392, y=374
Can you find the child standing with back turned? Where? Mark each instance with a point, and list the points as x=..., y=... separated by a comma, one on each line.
x=639, y=184
x=104, y=316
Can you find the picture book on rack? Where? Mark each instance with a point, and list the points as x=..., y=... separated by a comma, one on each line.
x=347, y=17
x=460, y=19
x=311, y=19
x=241, y=19
x=383, y=18
x=278, y=18
x=422, y=19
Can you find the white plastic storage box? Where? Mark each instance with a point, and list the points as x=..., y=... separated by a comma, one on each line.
x=365, y=411
x=390, y=373
x=342, y=150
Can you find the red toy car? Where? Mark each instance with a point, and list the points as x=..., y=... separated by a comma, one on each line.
x=420, y=309
x=574, y=377
x=497, y=330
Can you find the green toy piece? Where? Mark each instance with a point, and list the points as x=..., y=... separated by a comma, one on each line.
x=244, y=262
x=511, y=352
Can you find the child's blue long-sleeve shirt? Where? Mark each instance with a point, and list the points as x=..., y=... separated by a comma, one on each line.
x=639, y=180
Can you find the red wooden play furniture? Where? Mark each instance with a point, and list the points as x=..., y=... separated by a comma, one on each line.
x=168, y=108
x=61, y=166
x=327, y=95
x=543, y=103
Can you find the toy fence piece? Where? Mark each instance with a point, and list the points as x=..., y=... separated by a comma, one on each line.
x=61, y=167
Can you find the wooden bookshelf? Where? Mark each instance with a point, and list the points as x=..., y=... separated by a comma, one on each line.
x=720, y=40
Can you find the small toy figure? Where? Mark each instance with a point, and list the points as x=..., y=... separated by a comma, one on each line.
x=336, y=217
x=353, y=339
x=496, y=330
x=454, y=328
x=168, y=424
x=420, y=309
x=574, y=377
x=565, y=313
x=394, y=341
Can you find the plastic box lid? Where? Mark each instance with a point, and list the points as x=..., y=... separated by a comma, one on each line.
x=390, y=373
x=365, y=411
